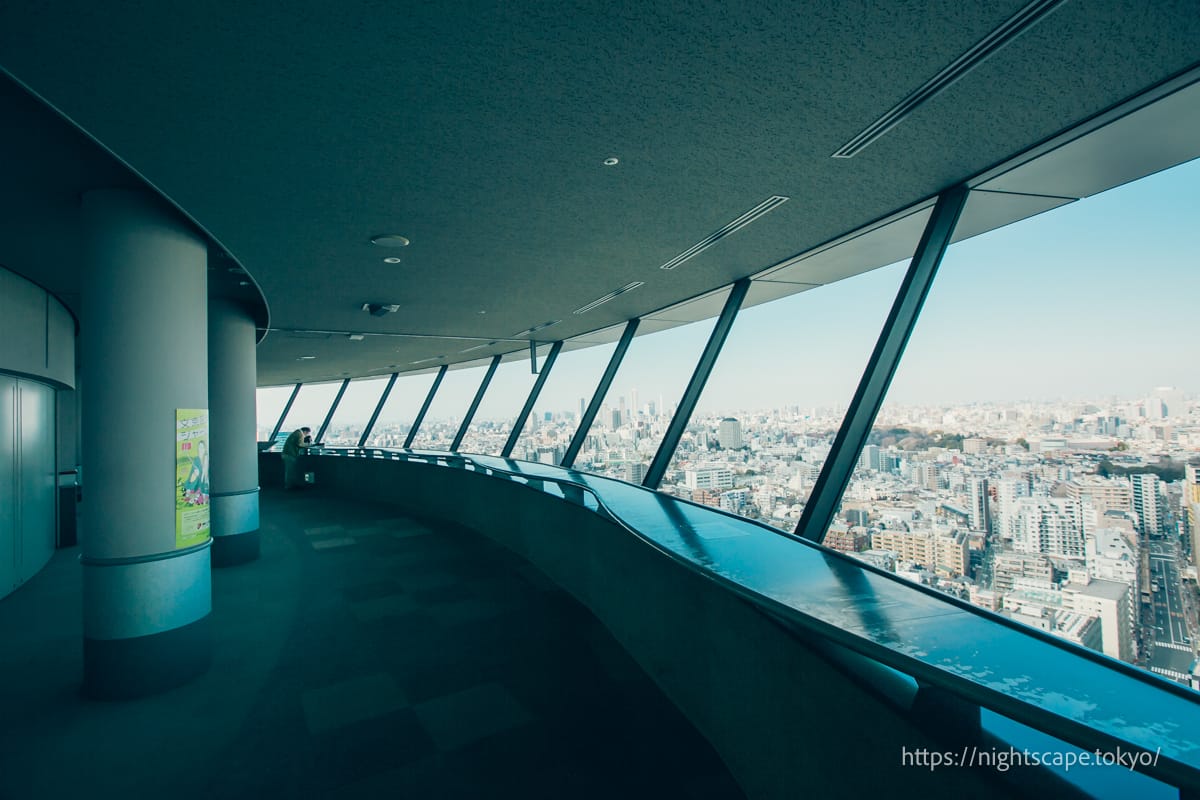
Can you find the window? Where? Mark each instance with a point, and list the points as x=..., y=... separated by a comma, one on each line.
x=269, y=402
x=451, y=402
x=358, y=403
x=311, y=406
x=398, y=413
x=501, y=403
x=1030, y=455
x=568, y=390
x=646, y=390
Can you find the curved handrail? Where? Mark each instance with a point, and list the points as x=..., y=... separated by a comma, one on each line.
x=1067, y=691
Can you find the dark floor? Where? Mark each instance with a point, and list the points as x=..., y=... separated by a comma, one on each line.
x=365, y=655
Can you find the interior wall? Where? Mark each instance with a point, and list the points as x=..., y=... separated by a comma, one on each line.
x=28, y=475
x=37, y=358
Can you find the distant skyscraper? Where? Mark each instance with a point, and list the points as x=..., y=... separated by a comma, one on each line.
x=634, y=408
x=871, y=458
x=582, y=406
x=980, y=504
x=729, y=434
x=1147, y=504
x=622, y=410
x=634, y=471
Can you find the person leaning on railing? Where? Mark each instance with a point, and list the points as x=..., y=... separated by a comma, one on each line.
x=299, y=441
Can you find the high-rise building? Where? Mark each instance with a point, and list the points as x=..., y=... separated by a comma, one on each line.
x=1148, y=503
x=980, y=508
x=634, y=471
x=729, y=434
x=870, y=458
x=717, y=478
x=1049, y=525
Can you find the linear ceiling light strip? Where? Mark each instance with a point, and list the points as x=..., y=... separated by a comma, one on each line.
x=599, y=301
x=736, y=225
x=1013, y=27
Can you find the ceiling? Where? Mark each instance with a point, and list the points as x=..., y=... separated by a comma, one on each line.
x=291, y=135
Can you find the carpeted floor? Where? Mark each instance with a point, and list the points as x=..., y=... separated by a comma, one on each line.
x=365, y=655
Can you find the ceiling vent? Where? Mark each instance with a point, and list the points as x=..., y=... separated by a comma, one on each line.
x=599, y=301
x=1013, y=27
x=766, y=206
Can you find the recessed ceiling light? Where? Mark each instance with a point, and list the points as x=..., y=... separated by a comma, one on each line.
x=392, y=260
x=306, y=358
x=390, y=240
x=243, y=283
x=356, y=337
x=611, y=162
x=235, y=269
x=482, y=311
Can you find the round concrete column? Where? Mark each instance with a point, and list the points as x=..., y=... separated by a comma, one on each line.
x=144, y=355
x=233, y=429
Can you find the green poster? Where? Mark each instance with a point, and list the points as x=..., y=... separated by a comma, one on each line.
x=191, y=477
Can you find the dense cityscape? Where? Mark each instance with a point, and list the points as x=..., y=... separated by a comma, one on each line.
x=1075, y=517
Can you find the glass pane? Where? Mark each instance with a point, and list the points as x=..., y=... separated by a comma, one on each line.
x=568, y=390
x=776, y=398
x=451, y=402
x=311, y=406
x=352, y=413
x=642, y=399
x=401, y=409
x=269, y=402
x=1031, y=453
x=501, y=403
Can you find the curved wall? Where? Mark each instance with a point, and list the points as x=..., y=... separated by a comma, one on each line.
x=783, y=717
x=37, y=356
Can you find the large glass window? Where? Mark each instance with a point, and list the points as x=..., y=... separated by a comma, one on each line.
x=777, y=395
x=311, y=406
x=451, y=402
x=568, y=390
x=1031, y=454
x=269, y=403
x=644, y=394
x=358, y=403
x=501, y=403
x=398, y=413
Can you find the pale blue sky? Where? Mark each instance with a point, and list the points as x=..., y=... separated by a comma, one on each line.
x=1096, y=298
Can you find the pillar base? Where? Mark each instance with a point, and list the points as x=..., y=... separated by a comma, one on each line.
x=229, y=551
x=235, y=527
x=125, y=669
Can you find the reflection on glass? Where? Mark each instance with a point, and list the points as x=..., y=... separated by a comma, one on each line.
x=568, y=390
x=1032, y=454
x=451, y=402
x=641, y=401
x=360, y=399
x=501, y=403
x=311, y=406
x=776, y=397
x=401, y=409
x=269, y=402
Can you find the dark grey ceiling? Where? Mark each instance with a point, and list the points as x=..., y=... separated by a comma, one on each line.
x=292, y=134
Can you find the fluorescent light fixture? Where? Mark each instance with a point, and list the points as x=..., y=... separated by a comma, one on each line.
x=356, y=337
x=982, y=50
x=478, y=347
x=426, y=360
x=599, y=301
x=392, y=260
x=536, y=328
x=306, y=358
x=765, y=207
x=380, y=309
